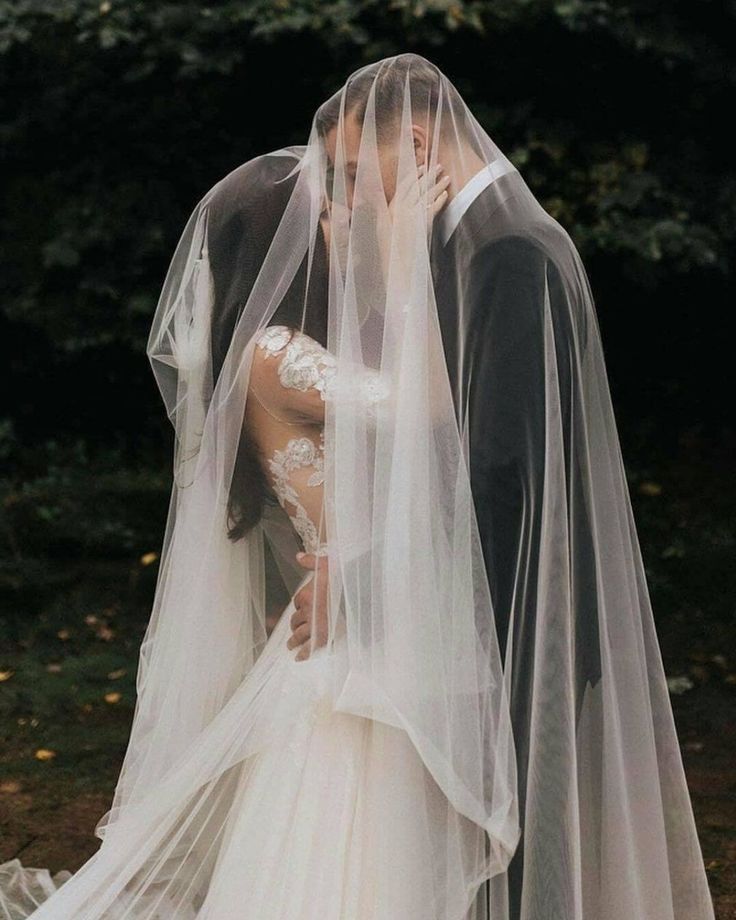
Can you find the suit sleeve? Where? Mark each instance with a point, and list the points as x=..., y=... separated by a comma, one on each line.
x=504, y=377
x=513, y=286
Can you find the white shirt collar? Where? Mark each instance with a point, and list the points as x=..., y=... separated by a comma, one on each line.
x=450, y=216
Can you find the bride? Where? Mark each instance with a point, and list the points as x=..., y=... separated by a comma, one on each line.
x=379, y=350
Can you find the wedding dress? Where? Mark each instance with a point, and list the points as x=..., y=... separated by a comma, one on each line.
x=337, y=817
x=329, y=823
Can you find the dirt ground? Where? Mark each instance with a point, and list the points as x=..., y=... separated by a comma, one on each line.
x=706, y=722
x=45, y=826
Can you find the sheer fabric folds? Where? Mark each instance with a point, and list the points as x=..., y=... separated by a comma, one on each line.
x=489, y=615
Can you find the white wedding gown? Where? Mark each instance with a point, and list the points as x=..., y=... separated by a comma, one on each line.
x=340, y=820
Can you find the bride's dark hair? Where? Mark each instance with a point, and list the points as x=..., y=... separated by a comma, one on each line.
x=234, y=240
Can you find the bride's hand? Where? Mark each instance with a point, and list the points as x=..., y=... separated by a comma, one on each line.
x=309, y=631
x=414, y=187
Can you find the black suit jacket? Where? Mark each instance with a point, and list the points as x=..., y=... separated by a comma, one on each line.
x=496, y=276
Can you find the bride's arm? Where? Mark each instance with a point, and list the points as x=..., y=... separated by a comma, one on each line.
x=290, y=374
x=293, y=374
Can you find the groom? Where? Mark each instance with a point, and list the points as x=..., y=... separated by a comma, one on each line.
x=506, y=283
x=504, y=278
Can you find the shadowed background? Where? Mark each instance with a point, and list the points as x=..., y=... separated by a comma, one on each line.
x=116, y=118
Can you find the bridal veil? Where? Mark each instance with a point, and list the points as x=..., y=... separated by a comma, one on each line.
x=483, y=563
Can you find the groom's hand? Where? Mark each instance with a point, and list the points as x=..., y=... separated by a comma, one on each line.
x=310, y=621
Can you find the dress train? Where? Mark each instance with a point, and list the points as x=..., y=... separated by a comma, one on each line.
x=334, y=817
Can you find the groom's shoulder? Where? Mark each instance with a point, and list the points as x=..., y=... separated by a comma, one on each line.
x=517, y=258
x=512, y=277
x=513, y=251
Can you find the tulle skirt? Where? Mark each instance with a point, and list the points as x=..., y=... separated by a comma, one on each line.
x=340, y=822
x=336, y=819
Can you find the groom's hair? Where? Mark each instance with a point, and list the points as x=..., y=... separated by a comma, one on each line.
x=390, y=77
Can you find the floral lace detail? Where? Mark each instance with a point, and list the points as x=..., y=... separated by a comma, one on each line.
x=306, y=364
x=375, y=387
x=299, y=452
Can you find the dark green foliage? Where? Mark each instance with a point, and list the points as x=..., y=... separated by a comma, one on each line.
x=116, y=117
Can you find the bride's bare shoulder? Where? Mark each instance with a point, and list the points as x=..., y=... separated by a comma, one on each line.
x=291, y=372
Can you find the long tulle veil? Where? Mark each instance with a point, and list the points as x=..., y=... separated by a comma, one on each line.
x=483, y=559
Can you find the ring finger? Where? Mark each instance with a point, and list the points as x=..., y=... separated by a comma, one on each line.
x=299, y=636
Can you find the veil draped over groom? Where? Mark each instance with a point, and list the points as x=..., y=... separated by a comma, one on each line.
x=607, y=825
x=483, y=561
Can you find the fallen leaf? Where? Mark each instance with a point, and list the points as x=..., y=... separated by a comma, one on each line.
x=693, y=745
x=45, y=754
x=679, y=684
x=10, y=786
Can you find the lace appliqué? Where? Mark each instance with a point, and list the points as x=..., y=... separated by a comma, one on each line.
x=299, y=452
x=305, y=365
